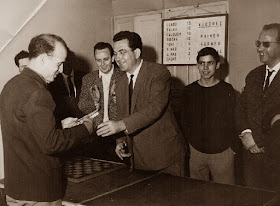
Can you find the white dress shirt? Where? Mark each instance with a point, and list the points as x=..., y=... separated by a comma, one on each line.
x=106, y=78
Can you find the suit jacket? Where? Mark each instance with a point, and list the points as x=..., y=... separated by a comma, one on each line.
x=66, y=106
x=254, y=103
x=31, y=142
x=87, y=105
x=157, y=140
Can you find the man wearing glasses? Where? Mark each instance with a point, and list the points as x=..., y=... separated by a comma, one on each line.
x=260, y=95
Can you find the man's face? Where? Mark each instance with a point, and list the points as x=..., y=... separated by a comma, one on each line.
x=124, y=56
x=104, y=60
x=207, y=66
x=54, y=63
x=22, y=63
x=270, y=55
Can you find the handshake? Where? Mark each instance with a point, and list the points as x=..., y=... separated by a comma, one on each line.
x=87, y=120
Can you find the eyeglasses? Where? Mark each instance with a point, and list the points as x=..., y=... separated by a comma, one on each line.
x=265, y=44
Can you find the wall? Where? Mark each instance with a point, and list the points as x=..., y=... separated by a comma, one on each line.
x=78, y=22
x=123, y=7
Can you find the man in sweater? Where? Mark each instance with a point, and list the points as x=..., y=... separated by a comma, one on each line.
x=208, y=122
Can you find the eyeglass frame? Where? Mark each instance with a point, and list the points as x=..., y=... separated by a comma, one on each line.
x=265, y=44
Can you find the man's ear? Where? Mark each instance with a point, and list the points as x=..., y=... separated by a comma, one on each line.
x=43, y=58
x=137, y=53
x=218, y=65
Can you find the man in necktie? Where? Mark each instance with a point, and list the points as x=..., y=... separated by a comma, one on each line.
x=98, y=93
x=66, y=89
x=260, y=95
x=148, y=124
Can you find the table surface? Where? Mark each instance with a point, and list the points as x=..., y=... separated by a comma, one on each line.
x=122, y=187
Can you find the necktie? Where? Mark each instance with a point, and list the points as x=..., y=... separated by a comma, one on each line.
x=130, y=90
x=269, y=73
x=130, y=162
x=71, y=87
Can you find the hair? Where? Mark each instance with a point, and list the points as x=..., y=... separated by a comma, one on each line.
x=208, y=51
x=274, y=26
x=134, y=40
x=44, y=43
x=103, y=45
x=21, y=55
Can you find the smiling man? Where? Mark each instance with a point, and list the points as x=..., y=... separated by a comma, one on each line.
x=144, y=114
x=207, y=120
x=98, y=93
x=260, y=95
x=32, y=144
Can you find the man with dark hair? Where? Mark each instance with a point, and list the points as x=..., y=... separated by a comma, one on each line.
x=261, y=93
x=32, y=144
x=98, y=93
x=144, y=114
x=21, y=60
x=207, y=121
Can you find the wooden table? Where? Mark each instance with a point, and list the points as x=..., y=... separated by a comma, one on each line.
x=141, y=188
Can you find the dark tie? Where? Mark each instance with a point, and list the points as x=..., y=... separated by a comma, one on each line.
x=71, y=87
x=130, y=161
x=269, y=73
x=130, y=89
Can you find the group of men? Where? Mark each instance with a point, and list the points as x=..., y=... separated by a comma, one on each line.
x=143, y=119
x=132, y=98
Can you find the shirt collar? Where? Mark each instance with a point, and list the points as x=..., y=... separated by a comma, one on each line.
x=109, y=74
x=275, y=68
x=136, y=72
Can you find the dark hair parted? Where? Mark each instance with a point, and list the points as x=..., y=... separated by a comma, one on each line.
x=44, y=43
x=274, y=26
x=134, y=40
x=208, y=51
x=21, y=55
x=103, y=45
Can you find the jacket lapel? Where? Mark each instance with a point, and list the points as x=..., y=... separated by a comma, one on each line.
x=122, y=97
x=139, y=82
x=274, y=85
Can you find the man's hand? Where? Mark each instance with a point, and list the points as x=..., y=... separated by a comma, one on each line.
x=247, y=140
x=89, y=123
x=120, y=150
x=255, y=149
x=110, y=127
x=69, y=122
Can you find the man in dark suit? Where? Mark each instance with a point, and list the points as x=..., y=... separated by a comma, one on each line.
x=66, y=89
x=260, y=95
x=144, y=114
x=33, y=173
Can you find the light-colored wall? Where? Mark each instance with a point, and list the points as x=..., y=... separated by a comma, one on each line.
x=81, y=23
x=123, y=7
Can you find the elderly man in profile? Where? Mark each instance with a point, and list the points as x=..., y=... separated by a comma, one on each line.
x=32, y=144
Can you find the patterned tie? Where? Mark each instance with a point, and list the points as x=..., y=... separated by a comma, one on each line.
x=269, y=73
x=71, y=87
